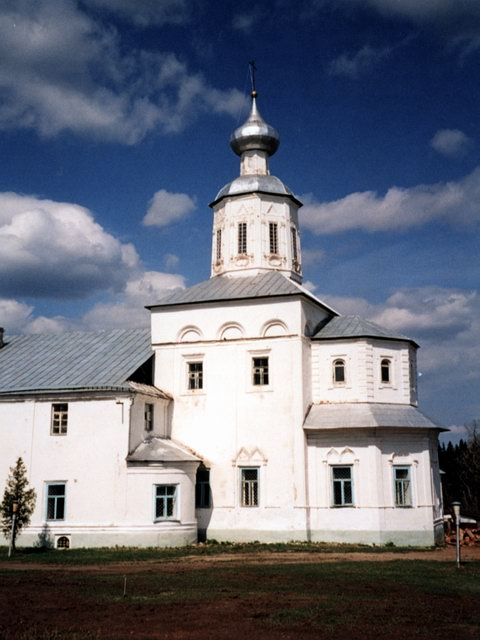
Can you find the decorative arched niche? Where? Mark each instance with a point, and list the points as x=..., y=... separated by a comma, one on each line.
x=274, y=328
x=253, y=456
x=341, y=456
x=190, y=333
x=231, y=331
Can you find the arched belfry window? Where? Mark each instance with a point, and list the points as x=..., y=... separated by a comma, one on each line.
x=339, y=371
x=385, y=372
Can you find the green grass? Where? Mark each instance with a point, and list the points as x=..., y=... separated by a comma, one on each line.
x=131, y=554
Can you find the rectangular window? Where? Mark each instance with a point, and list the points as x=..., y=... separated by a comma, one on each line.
x=59, y=419
x=165, y=501
x=148, y=424
x=202, y=489
x=260, y=371
x=242, y=238
x=195, y=375
x=342, y=486
x=273, y=237
x=403, y=491
x=249, y=488
x=294, y=245
x=219, y=245
x=56, y=501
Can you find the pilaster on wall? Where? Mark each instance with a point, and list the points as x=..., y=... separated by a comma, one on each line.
x=405, y=376
x=369, y=372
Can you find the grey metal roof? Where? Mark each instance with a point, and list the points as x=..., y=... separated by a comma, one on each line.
x=161, y=450
x=255, y=184
x=222, y=288
x=355, y=327
x=72, y=361
x=355, y=415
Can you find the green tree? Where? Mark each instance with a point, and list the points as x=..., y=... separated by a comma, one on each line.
x=17, y=490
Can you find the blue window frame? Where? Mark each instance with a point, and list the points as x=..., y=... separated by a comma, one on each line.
x=165, y=501
x=56, y=494
x=342, y=485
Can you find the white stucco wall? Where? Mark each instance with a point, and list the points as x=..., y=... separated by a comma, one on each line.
x=107, y=502
x=363, y=383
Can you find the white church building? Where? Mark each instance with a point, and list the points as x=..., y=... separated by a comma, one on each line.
x=250, y=410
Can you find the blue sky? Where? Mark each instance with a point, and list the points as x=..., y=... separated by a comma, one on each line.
x=115, y=117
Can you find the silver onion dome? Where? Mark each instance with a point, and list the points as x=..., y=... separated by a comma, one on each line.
x=255, y=134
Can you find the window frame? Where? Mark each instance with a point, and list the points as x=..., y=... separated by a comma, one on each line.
x=261, y=370
x=149, y=417
x=203, y=491
x=242, y=239
x=386, y=364
x=273, y=238
x=407, y=494
x=56, y=499
x=60, y=416
x=252, y=500
x=195, y=377
x=164, y=499
x=218, y=246
x=294, y=237
x=342, y=482
x=335, y=364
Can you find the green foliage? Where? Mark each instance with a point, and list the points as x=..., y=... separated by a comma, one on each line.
x=461, y=464
x=17, y=490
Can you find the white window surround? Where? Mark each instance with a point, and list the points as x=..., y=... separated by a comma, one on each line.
x=191, y=359
x=249, y=487
x=166, y=502
x=342, y=483
x=339, y=372
x=386, y=364
x=402, y=486
x=59, y=419
x=149, y=417
x=259, y=388
x=347, y=371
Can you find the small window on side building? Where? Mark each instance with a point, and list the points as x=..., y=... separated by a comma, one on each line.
x=59, y=424
x=385, y=371
x=56, y=501
x=403, y=486
x=339, y=371
x=249, y=487
x=260, y=373
x=202, y=489
x=342, y=486
x=148, y=420
x=195, y=375
x=165, y=501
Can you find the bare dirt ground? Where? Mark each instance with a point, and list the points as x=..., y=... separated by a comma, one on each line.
x=263, y=595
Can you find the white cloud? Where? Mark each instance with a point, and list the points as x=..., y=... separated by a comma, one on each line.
x=451, y=142
x=147, y=12
x=125, y=309
x=245, y=21
x=355, y=64
x=51, y=248
x=63, y=70
x=14, y=315
x=455, y=203
x=128, y=309
x=312, y=256
x=166, y=208
x=171, y=261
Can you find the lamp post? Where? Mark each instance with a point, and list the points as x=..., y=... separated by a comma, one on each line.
x=456, y=511
x=12, y=534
